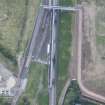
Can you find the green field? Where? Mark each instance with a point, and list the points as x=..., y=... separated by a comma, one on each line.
x=5, y=100
x=64, y=45
x=36, y=90
x=65, y=38
x=16, y=26
x=100, y=40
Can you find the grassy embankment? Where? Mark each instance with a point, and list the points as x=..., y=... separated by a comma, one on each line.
x=100, y=40
x=16, y=26
x=5, y=101
x=73, y=93
x=36, y=90
x=64, y=47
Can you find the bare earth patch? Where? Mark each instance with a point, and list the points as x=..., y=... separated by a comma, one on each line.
x=93, y=46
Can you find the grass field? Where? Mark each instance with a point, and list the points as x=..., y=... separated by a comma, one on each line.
x=16, y=26
x=100, y=40
x=5, y=100
x=64, y=47
x=65, y=38
x=36, y=90
x=100, y=22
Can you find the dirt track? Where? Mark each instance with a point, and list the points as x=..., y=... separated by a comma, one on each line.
x=84, y=89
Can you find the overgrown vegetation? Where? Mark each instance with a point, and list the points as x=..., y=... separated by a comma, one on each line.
x=100, y=40
x=16, y=26
x=67, y=2
x=36, y=90
x=5, y=101
x=73, y=96
x=7, y=54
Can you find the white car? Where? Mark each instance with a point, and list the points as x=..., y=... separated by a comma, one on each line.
x=48, y=48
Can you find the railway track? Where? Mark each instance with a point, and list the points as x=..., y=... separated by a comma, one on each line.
x=28, y=55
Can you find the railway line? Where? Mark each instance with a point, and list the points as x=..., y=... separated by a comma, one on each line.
x=43, y=38
x=77, y=61
x=29, y=52
x=47, y=15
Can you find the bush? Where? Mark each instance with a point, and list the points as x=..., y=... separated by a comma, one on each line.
x=7, y=54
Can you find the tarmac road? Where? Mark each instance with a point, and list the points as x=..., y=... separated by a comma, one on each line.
x=43, y=38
